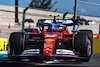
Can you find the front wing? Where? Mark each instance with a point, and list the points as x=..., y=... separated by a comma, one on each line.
x=68, y=54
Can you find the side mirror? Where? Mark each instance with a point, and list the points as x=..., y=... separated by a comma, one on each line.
x=29, y=20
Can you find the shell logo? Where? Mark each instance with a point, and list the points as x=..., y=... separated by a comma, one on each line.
x=49, y=40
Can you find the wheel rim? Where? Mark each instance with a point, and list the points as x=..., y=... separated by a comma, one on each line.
x=89, y=47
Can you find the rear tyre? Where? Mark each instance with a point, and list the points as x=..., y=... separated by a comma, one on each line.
x=15, y=46
x=83, y=45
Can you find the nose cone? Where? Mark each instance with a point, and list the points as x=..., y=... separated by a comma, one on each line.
x=49, y=43
x=48, y=46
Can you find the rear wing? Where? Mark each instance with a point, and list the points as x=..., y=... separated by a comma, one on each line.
x=57, y=21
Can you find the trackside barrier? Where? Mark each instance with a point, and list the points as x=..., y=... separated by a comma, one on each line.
x=96, y=45
x=5, y=33
x=4, y=44
x=4, y=37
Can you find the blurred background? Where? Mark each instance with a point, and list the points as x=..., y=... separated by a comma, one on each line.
x=11, y=13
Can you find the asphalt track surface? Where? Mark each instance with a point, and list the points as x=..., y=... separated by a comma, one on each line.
x=94, y=62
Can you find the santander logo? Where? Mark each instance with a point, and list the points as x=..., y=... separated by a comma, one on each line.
x=51, y=35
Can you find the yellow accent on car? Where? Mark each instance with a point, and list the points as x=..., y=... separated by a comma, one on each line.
x=61, y=36
x=46, y=51
x=4, y=44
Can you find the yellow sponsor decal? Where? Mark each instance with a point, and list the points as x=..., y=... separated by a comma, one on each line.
x=4, y=44
x=96, y=45
x=46, y=51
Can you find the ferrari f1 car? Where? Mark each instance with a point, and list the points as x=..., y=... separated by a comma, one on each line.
x=51, y=41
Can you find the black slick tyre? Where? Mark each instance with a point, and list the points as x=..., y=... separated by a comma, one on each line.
x=83, y=45
x=15, y=44
x=89, y=32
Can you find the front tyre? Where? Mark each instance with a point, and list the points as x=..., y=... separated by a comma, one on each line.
x=83, y=45
x=90, y=33
x=15, y=45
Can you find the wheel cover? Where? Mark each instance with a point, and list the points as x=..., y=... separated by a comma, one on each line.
x=89, y=47
x=9, y=48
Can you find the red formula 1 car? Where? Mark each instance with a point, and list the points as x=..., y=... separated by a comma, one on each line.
x=53, y=41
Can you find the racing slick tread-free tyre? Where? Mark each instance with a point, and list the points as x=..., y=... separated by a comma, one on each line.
x=80, y=44
x=15, y=43
x=91, y=37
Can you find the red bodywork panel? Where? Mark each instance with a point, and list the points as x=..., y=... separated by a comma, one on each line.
x=50, y=39
x=49, y=43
